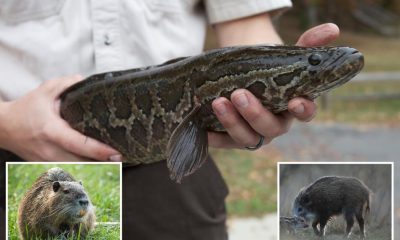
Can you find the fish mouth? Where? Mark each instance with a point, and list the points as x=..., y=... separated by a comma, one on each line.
x=344, y=68
x=352, y=65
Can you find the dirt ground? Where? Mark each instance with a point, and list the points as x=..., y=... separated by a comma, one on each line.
x=372, y=234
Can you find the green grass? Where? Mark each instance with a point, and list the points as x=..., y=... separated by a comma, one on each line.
x=384, y=112
x=251, y=177
x=101, y=182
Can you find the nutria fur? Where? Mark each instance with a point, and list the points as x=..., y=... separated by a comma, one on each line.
x=330, y=196
x=55, y=205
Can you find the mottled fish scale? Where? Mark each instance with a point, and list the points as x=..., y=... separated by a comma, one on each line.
x=163, y=112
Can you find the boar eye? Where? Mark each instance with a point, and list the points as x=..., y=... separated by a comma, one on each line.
x=66, y=191
x=314, y=59
x=299, y=209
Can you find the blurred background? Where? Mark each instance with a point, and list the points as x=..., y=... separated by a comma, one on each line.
x=360, y=121
x=377, y=178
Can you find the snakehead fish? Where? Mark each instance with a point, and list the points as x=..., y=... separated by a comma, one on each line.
x=164, y=112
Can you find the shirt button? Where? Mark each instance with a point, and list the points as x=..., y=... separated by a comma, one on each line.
x=107, y=39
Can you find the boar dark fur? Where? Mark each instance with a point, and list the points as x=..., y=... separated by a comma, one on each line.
x=330, y=196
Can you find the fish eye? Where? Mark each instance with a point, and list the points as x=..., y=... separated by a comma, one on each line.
x=314, y=59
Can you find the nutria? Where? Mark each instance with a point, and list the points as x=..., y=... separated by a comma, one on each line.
x=330, y=196
x=55, y=205
x=292, y=224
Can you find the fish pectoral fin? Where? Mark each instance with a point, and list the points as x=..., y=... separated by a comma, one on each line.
x=188, y=147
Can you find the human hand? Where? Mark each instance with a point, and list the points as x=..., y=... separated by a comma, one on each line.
x=245, y=119
x=32, y=128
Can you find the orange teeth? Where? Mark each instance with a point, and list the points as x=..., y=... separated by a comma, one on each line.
x=82, y=213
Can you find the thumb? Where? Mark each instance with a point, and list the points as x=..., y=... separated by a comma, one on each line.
x=319, y=35
x=57, y=86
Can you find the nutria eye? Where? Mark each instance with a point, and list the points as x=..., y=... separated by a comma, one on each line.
x=299, y=209
x=314, y=59
x=66, y=191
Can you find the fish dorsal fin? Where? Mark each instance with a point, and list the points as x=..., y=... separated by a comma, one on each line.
x=188, y=146
x=172, y=61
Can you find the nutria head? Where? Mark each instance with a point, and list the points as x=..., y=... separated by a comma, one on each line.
x=69, y=201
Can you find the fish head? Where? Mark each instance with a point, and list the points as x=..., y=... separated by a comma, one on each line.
x=326, y=68
x=277, y=74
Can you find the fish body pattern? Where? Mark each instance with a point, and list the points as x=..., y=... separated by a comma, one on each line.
x=164, y=112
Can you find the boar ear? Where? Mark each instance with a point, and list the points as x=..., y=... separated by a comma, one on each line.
x=56, y=186
x=306, y=199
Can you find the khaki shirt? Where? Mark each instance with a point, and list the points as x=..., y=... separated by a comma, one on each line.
x=46, y=39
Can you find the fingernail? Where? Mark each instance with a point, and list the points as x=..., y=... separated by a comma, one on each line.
x=299, y=109
x=242, y=100
x=220, y=108
x=115, y=158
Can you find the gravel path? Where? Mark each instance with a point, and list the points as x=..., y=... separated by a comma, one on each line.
x=264, y=228
x=327, y=142
x=334, y=142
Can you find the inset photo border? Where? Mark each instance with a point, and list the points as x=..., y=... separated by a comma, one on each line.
x=345, y=195
x=46, y=200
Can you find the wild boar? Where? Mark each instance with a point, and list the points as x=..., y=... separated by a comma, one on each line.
x=330, y=196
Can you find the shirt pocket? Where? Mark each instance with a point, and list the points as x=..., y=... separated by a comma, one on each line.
x=17, y=11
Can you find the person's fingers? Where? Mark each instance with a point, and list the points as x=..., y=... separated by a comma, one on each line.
x=73, y=141
x=260, y=119
x=67, y=82
x=64, y=156
x=54, y=153
x=234, y=124
x=222, y=140
x=319, y=35
x=302, y=109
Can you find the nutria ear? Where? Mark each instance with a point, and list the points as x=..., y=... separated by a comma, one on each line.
x=80, y=182
x=56, y=186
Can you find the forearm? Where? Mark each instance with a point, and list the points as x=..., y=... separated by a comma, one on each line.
x=3, y=122
x=256, y=29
